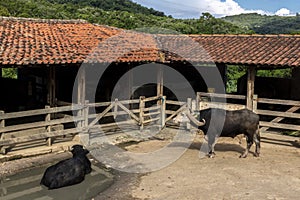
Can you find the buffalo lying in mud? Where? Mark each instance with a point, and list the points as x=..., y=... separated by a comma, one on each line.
x=216, y=122
x=68, y=172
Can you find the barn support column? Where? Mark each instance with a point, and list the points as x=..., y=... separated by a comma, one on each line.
x=160, y=80
x=81, y=85
x=52, y=86
x=81, y=96
x=250, y=86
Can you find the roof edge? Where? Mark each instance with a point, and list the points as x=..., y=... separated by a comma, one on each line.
x=62, y=21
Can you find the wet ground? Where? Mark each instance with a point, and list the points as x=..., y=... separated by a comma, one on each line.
x=25, y=185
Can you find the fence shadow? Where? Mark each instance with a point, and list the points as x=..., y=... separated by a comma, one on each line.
x=282, y=142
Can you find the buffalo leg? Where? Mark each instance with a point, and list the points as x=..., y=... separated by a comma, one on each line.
x=249, y=144
x=211, y=146
x=256, y=138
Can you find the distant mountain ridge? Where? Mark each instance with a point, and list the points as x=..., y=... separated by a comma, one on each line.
x=264, y=24
x=130, y=15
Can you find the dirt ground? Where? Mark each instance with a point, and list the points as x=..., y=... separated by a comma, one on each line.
x=273, y=175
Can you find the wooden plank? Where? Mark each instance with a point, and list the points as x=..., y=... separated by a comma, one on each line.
x=278, y=119
x=151, y=120
x=182, y=108
x=280, y=126
x=160, y=81
x=163, y=111
x=2, y=124
x=81, y=87
x=102, y=104
x=40, y=112
x=141, y=114
x=250, y=86
x=279, y=115
x=152, y=108
x=179, y=103
x=152, y=113
x=128, y=111
x=100, y=115
x=227, y=106
x=227, y=96
x=110, y=114
x=170, y=112
x=279, y=101
x=152, y=98
x=130, y=122
x=40, y=124
x=38, y=136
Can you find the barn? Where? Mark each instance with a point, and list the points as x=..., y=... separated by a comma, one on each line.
x=69, y=72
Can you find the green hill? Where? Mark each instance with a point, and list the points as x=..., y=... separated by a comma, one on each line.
x=263, y=24
x=119, y=13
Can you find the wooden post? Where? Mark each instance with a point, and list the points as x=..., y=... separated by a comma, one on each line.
x=115, y=110
x=141, y=115
x=52, y=86
x=81, y=85
x=189, y=106
x=163, y=112
x=130, y=84
x=84, y=136
x=255, y=98
x=86, y=114
x=198, y=99
x=48, y=128
x=250, y=87
x=2, y=124
x=160, y=81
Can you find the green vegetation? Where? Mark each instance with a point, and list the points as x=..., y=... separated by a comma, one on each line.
x=118, y=13
x=9, y=73
x=235, y=72
x=263, y=24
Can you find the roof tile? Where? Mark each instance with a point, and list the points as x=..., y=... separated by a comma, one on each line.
x=31, y=41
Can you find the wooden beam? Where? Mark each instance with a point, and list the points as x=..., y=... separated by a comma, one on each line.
x=81, y=85
x=160, y=81
x=250, y=86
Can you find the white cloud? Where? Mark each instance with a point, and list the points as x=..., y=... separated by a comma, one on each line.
x=283, y=12
x=222, y=8
x=195, y=8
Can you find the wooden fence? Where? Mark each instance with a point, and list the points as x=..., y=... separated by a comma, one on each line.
x=45, y=126
x=38, y=125
x=281, y=113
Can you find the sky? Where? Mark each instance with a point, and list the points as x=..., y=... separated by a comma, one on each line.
x=220, y=8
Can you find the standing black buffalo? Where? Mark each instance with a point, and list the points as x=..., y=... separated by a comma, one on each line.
x=230, y=124
x=68, y=172
x=222, y=123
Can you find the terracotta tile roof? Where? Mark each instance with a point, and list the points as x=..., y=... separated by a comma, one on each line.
x=262, y=50
x=29, y=42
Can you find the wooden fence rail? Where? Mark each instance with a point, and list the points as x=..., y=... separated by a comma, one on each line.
x=279, y=116
x=43, y=128
x=51, y=123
